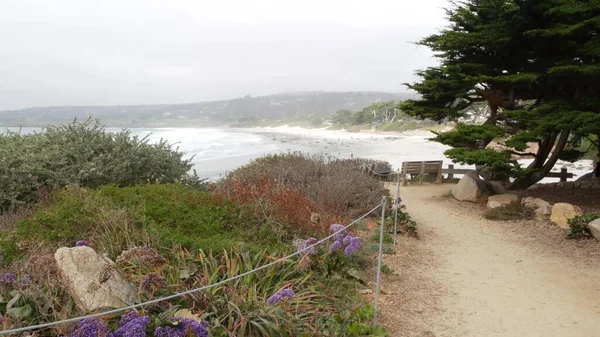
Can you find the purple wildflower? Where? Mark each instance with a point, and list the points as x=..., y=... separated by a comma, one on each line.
x=280, y=296
x=287, y=292
x=82, y=243
x=152, y=280
x=335, y=246
x=302, y=245
x=91, y=327
x=132, y=325
x=7, y=278
x=353, y=245
x=181, y=330
x=339, y=231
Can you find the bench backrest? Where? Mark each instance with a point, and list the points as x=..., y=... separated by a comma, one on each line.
x=418, y=167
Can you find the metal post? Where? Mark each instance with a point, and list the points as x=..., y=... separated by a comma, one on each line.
x=397, y=203
x=379, y=259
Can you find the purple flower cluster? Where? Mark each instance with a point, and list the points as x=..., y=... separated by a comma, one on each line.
x=82, y=243
x=91, y=327
x=339, y=231
x=280, y=296
x=7, y=278
x=302, y=245
x=348, y=242
x=152, y=280
x=184, y=326
x=132, y=325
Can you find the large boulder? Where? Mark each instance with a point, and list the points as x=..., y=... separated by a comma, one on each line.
x=471, y=188
x=542, y=208
x=587, y=176
x=594, y=227
x=500, y=200
x=94, y=281
x=562, y=212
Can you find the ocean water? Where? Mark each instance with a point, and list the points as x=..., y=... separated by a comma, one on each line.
x=214, y=152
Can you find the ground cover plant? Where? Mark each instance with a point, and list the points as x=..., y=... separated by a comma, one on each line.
x=167, y=234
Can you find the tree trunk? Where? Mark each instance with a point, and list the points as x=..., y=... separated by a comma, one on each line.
x=542, y=166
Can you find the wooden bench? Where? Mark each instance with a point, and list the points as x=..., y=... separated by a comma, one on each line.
x=421, y=168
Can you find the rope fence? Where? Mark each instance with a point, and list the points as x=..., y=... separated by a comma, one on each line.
x=382, y=205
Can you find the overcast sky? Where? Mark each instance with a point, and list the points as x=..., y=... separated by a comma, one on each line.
x=105, y=52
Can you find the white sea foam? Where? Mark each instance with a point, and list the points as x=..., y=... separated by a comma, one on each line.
x=217, y=151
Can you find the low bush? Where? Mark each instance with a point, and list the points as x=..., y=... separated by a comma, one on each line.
x=578, y=226
x=116, y=219
x=513, y=211
x=337, y=187
x=83, y=154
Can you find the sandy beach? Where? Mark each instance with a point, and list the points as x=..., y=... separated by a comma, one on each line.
x=393, y=147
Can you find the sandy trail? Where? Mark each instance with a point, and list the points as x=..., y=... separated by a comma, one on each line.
x=468, y=276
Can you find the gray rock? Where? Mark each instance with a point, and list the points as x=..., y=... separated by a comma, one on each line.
x=587, y=176
x=562, y=212
x=471, y=188
x=542, y=208
x=500, y=200
x=498, y=187
x=94, y=281
x=594, y=227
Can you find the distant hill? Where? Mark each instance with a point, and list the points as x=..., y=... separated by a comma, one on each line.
x=240, y=111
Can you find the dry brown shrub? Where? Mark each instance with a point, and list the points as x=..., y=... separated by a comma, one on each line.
x=337, y=187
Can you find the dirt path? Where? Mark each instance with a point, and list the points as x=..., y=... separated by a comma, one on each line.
x=468, y=276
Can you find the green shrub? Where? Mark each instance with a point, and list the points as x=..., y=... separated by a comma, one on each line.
x=579, y=226
x=513, y=211
x=83, y=154
x=117, y=218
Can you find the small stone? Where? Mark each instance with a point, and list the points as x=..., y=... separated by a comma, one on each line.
x=542, y=208
x=569, y=184
x=500, y=200
x=562, y=212
x=594, y=227
x=534, y=202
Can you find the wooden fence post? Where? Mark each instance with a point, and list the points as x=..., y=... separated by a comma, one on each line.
x=422, y=173
x=451, y=169
x=563, y=174
x=439, y=179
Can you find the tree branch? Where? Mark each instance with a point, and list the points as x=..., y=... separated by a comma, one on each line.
x=521, y=153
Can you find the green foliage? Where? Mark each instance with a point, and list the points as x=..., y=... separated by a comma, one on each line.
x=83, y=154
x=578, y=226
x=512, y=211
x=240, y=307
x=360, y=323
x=547, y=93
x=469, y=136
x=386, y=114
x=116, y=218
